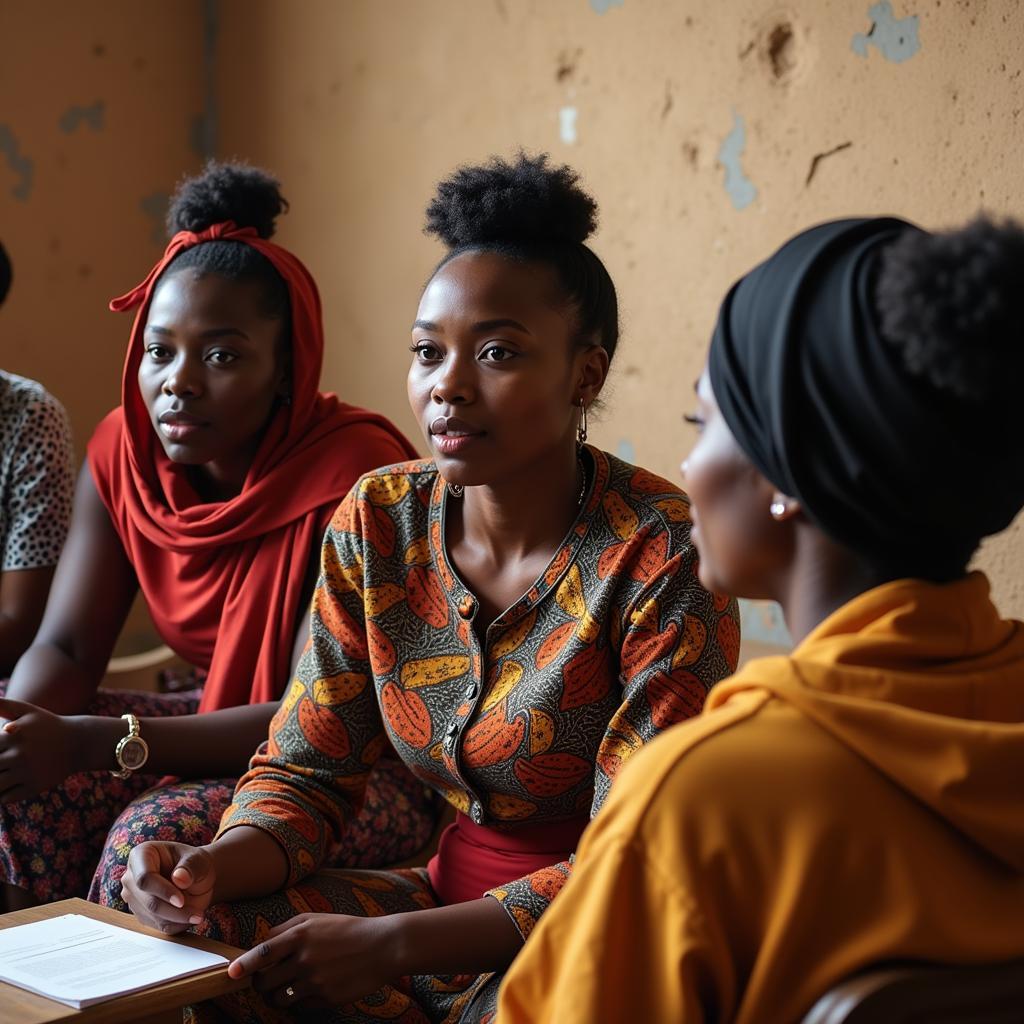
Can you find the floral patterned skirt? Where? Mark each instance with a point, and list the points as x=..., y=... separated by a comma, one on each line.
x=74, y=839
x=422, y=999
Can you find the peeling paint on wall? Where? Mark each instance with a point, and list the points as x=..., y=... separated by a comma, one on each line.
x=18, y=162
x=603, y=6
x=154, y=206
x=567, y=124
x=895, y=38
x=74, y=117
x=762, y=621
x=625, y=450
x=741, y=189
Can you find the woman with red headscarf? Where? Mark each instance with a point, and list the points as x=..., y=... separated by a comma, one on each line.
x=209, y=489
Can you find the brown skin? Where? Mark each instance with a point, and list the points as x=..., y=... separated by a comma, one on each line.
x=494, y=347
x=747, y=550
x=22, y=600
x=212, y=352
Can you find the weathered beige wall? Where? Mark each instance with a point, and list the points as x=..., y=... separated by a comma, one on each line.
x=361, y=105
x=98, y=102
x=99, y=109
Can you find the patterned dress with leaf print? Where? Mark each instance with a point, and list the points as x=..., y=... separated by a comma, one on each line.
x=529, y=723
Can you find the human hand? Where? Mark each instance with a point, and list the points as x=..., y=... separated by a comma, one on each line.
x=37, y=750
x=322, y=960
x=168, y=886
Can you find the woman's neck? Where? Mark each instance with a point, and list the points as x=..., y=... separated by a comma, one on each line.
x=822, y=577
x=522, y=514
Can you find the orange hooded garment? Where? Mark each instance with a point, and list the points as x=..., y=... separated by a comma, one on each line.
x=861, y=800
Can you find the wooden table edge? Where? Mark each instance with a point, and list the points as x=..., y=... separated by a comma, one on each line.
x=150, y=1001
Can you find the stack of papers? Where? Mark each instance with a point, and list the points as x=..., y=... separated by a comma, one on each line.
x=79, y=961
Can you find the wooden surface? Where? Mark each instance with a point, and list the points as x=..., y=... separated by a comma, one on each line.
x=153, y=1005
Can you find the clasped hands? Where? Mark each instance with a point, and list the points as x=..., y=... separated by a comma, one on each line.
x=310, y=961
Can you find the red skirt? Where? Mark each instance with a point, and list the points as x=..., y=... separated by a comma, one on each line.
x=472, y=858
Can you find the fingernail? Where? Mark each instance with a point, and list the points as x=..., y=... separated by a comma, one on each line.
x=177, y=901
x=195, y=919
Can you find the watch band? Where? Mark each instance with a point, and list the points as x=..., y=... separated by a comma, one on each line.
x=125, y=767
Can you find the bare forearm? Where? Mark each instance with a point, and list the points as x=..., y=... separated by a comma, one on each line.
x=250, y=863
x=216, y=744
x=47, y=676
x=465, y=938
x=15, y=637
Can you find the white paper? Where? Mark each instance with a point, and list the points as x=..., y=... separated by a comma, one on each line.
x=79, y=961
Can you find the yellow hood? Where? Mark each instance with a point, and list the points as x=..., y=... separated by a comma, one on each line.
x=925, y=682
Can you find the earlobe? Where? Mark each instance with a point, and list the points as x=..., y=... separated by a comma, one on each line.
x=783, y=507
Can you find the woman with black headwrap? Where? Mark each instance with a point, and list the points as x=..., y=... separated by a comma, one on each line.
x=860, y=800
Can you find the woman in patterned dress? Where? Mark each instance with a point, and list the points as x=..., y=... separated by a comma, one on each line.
x=515, y=617
x=209, y=489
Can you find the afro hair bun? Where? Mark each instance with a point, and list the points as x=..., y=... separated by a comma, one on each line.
x=953, y=303
x=522, y=201
x=227, y=191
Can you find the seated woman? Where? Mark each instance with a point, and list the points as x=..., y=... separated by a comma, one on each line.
x=209, y=489
x=36, y=481
x=860, y=800
x=516, y=617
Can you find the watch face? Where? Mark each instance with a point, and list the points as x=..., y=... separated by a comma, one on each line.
x=134, y=753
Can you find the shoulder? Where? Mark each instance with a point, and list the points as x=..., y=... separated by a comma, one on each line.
x=397, y=492
x=24, y=400
x=657, y=502
x=398, y=477
x=738, y=770
x=637, y=515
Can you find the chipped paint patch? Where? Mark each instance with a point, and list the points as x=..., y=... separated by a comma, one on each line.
x=895, y=38
x=18, y=162
x=75, y=117
x=762, y=621
x=567, y=124
x=603, y=6
x=625, y=450
x=154, y=206
x=741, y=189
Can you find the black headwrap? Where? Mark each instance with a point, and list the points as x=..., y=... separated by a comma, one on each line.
x=827, y=411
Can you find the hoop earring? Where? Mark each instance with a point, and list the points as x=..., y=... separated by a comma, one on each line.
x=456, y=490
x=581, y=429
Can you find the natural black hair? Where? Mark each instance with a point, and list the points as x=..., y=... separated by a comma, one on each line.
x=531, y=212
x=251, y=198
x=6, y=274
x=953, y=303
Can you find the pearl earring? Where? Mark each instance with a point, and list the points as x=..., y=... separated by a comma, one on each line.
x=777, y=509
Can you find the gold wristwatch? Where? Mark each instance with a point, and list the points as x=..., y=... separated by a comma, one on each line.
x=131, y=751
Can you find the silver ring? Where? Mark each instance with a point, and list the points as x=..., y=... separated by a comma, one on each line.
x=290, y=992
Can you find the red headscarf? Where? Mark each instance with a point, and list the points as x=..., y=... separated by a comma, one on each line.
x=223, y=580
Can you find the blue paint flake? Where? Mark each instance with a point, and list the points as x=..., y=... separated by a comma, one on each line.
x=603, y=6
x=741, y=189
x=895, y=38
x=74, y=117
x=763, y=621
x=625, y=450
x=18, y=162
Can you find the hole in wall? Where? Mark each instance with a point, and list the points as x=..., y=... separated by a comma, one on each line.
x=781, y=50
